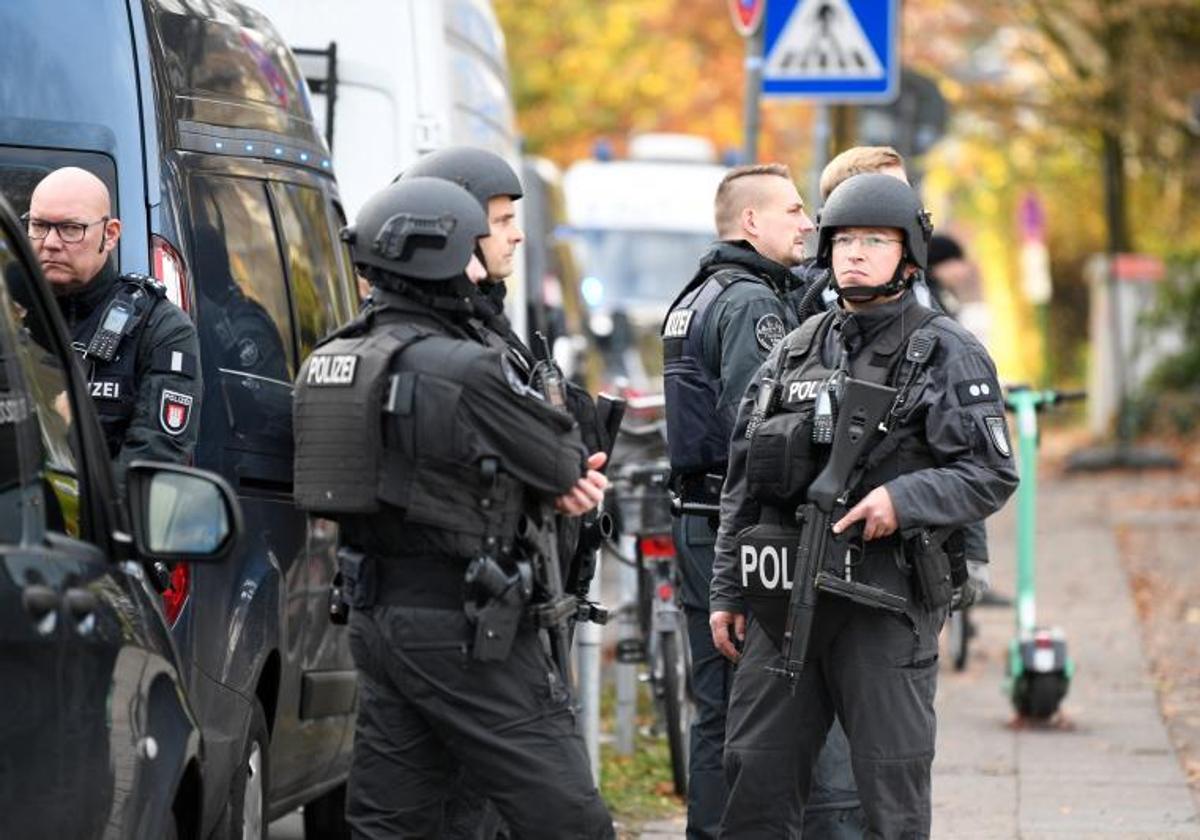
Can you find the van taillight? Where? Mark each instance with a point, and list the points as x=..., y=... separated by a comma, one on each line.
x=170, y=270
x=176, y=595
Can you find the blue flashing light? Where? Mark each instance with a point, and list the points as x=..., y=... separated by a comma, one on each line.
x=592, y=289
x=220, y=145
x=278, y=150
x=249, y=147
x=325, y=163
x=602, y=150
x=304, y=156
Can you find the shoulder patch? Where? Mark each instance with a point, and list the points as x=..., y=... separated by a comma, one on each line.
x=769, y=331
x=331, y=370
x=973, y=391
x=998, y=432
x=678, y=323
x=175, y=411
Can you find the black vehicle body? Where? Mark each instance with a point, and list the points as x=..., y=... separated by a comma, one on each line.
x=194, y=113
x=96, y=734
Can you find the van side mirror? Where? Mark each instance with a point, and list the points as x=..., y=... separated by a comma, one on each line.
x=181, y=513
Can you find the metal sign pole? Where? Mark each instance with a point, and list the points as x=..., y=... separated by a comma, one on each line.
x=754, y=74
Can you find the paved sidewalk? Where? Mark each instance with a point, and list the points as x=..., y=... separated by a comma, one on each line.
x=1107, y=769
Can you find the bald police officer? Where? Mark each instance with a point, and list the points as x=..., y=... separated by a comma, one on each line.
x=442, y=467
x=139, y=350
x=944, y=461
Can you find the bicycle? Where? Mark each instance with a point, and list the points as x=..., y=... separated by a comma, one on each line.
x=661, y=643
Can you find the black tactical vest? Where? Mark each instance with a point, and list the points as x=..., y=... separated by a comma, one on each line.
x=783, y=460
x=697, y=435
x=376, y=448
x=113, y=384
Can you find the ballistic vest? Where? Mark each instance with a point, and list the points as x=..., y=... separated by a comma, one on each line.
x=697, y=436
x=375, y=445
x=783, y=460
x=113, y=384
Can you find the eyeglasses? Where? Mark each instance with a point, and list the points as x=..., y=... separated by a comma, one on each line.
x=69, y=232
x=869, y=241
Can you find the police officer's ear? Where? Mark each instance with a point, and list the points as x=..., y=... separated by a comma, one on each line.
x=110, y=234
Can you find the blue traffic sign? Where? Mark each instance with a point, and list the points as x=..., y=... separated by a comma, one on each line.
x=834, y=50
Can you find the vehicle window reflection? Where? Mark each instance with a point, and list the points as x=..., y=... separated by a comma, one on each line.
x=242, y=298
x=38, y=441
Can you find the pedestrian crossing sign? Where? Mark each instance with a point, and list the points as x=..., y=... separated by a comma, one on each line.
x=834, y=50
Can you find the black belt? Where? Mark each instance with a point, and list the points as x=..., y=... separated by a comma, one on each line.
x=700, y=488
x=434, y=582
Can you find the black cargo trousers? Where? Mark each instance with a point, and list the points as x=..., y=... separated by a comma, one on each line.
x=877, y=671
x=832, y=812
x=427, y=708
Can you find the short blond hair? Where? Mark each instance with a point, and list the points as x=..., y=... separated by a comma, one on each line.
x=856, y=161
x=736, y=192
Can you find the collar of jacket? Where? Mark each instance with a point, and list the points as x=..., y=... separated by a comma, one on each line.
x=741, y=253
x=867, y=327
x=78, y=305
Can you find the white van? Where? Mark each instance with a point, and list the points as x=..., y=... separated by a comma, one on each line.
x=393, y=79
x=639, y=226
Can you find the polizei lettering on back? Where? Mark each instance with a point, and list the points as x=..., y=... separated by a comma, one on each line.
x=331, y=370
x=767, y=567
x=804, y=391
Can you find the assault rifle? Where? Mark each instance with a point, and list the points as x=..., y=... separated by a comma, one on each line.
x=552, y=607
x=609, y=412
x=821, y=557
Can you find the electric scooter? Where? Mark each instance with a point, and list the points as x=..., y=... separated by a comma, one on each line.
x=1039, y=667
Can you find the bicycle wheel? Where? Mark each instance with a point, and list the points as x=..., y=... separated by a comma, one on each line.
x=676, y=706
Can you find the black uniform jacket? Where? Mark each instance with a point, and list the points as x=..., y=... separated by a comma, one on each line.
x=165, y=418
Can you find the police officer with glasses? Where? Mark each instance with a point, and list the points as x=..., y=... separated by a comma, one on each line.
x=938, y=459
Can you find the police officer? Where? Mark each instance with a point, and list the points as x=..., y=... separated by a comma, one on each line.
x=139, y=350
x=494, y=184
x=717, y=333
x=462, y=462
x=496, y=187
x=944, y=461
x=814, y=294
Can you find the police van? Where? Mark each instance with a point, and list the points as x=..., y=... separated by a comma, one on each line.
x=639, y=225
x=196, y=116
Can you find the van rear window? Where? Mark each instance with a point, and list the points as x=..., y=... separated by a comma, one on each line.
x=21, y=169
x=231, y=69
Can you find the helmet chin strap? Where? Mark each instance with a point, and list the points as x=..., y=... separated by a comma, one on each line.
x=863, y=294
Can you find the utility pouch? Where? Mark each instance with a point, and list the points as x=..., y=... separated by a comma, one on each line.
x=357, y=572
x=495, y=603
x=781, y=462
x=931, y=566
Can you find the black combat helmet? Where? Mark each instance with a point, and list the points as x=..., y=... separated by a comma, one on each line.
x=874, y=200
x=422, y=229
x=483, y=174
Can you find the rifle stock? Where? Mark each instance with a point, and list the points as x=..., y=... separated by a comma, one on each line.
x=863, y=407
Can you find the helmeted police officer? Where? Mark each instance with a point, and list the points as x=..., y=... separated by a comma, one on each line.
x=716, y=335
x=139, y=350
x=494, y=184
x=944, y=461
x=442, y=467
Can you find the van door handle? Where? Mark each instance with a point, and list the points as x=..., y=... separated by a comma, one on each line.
x=82, y=604
x=41, y=602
